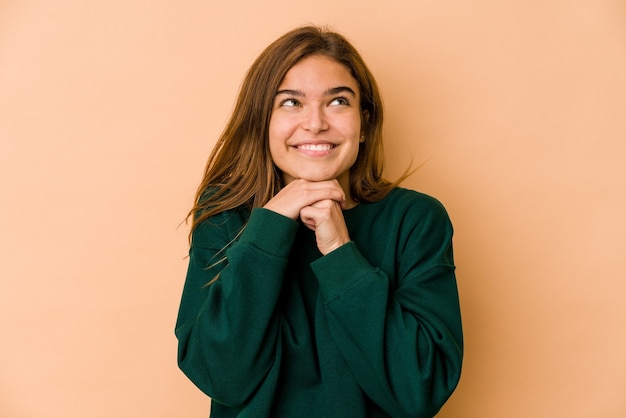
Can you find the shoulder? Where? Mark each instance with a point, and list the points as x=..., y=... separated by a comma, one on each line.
x=220, y=229
x=401, y=194
x=413, y=203
x=411, y=225
x=424, y=228
x=402, y=213
x=416, y=216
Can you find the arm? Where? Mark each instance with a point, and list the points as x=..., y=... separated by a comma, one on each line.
x=227, y=331
x=403, y=344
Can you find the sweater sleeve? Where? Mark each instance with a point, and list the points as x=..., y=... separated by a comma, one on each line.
x=228, y=330
x=403, y=340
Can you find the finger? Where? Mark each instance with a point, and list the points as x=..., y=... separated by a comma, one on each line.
x=326, y=219
x=318, y=191
x=325, y=212
x=301, y=193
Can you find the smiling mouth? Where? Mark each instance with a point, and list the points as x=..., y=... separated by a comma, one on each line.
x=316, y=147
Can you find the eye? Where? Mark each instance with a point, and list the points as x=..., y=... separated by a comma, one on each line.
x=289, y=103
x=340, y=101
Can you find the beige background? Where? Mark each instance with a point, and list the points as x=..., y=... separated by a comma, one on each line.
x=108, y=110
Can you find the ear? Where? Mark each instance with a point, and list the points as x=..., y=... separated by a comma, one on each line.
x=365, y=117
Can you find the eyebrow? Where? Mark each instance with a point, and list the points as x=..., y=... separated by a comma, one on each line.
x=330, y=92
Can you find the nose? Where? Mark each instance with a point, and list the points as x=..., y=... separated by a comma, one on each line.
x=315, y=120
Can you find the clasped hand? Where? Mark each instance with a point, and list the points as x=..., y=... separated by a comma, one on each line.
x=318, y=204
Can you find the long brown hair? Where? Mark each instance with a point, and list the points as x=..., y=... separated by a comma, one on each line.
x=240, y=171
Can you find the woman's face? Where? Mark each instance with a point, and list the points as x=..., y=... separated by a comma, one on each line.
x=315, y=127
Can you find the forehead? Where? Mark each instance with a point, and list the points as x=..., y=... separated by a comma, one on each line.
x=318, y=72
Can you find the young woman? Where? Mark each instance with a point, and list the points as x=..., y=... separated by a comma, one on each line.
x=315, y=287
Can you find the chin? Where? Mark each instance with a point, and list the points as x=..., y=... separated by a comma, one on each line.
x=317, y=178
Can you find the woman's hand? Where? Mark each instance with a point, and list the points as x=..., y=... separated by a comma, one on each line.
x=326, y=219
x=319, y=206
x=301, y=193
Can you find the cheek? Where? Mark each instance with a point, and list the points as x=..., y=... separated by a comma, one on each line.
x=277, y=145
x=353, y=125
x=274, y=135
x=274, y=149
x=279, y=130
x=353, y=130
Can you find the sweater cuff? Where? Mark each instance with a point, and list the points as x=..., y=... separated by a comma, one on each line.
x=270, y=232
x=339, y=270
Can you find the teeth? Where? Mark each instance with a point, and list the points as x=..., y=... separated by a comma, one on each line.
x=316, y=147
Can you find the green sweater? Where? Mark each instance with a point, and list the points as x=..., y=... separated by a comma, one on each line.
x=372, y=329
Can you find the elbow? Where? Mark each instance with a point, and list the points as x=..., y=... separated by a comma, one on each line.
x=227, y=388
x=226, y=380
x=445, y=382
x=437, y=383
